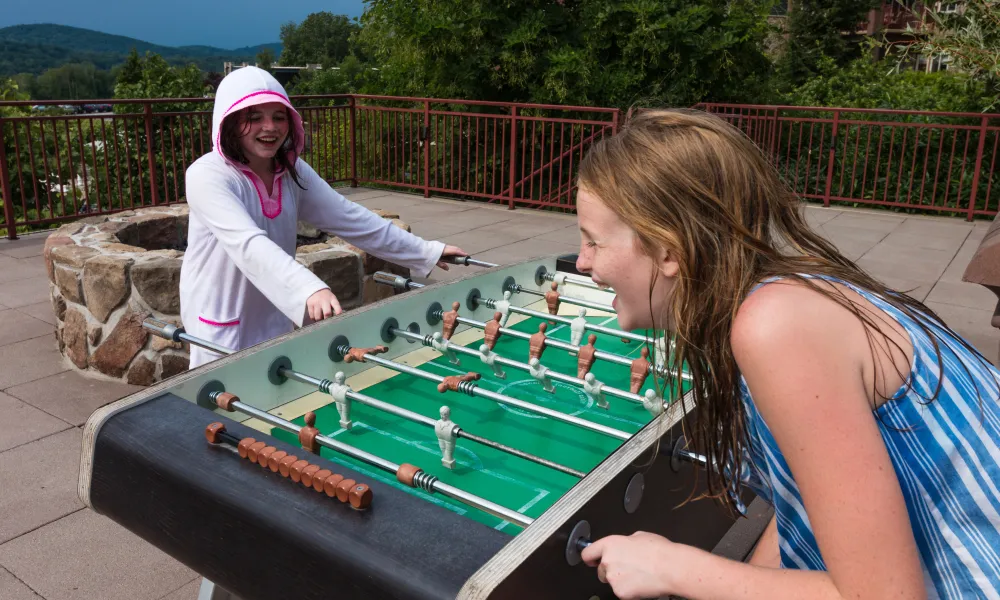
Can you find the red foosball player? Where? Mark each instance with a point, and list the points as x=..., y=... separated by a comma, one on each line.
x=537, y=343
x=492, y=330
x=586, y=357
x=449, y=321
x=639, y=371
x=552, y=300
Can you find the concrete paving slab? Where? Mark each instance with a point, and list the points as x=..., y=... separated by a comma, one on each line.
x=566, y=235
x=25, y=251
x=29, y=360
x=39, y=485
x=96, y=558
x=16, y=326
x=531, y=227
x=41, y=311
x=21, y=423
x=12, y=588
x=972, y=324
x=921, y=272
x=526, y=249
x=917, y=290
x=187, y=592
x=867, y=220
x=71, y=396
x=13, y=269
x=969, y=295
x=22, y=292
x=818, y=215
x=942, y=242
x=459, y=221
x=958, y=264
x=477, y=241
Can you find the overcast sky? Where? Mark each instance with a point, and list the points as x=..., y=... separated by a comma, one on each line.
x=221, y=23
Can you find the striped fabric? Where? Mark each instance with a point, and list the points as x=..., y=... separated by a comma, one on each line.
x=948, y=466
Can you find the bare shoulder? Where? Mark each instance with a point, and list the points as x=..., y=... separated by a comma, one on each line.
x=788, y=316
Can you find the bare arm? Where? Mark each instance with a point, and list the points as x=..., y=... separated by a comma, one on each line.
x=766, y=553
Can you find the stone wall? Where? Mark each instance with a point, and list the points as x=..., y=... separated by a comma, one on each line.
x=109, y=273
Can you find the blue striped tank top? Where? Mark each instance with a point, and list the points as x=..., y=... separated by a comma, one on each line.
x=948, y=465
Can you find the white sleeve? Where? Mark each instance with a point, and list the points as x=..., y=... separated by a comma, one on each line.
x=214, y=200
x=324, y=208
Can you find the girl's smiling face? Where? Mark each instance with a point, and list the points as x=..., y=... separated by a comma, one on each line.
x=266, y=127
x=611, y=254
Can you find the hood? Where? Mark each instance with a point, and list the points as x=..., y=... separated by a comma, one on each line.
x=249, y=86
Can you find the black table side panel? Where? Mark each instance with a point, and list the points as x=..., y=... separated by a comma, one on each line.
x=260, y=535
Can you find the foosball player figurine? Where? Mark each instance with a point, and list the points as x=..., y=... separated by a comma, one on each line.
x=552, y=300
x=358, y=354
x=639, y=370
x=449, y=321
x=578, y=327
x=504, y=307
x=660, y=356
x=536, y=343
x=338, y=391
x=492, y=330
x=586, y=358
x=541, y=373
x=652, y=403
x=444, y=347
x=445, y=430
x=307, y=435
x=489, y=357
x=593, y=388
x=451, y=382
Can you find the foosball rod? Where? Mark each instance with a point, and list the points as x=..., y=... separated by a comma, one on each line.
x=599, y=354
x=517, y=288
x=470, y=389
x=426, y=341
x=177, y=334
x=414, y=476
x=467, y=261
x=324, y=386
x=618, y=333
x=560, y=277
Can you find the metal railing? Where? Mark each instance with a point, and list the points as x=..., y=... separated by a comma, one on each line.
x=928, y=161
x=60, y=167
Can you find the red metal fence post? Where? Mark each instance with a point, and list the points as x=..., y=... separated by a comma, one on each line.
x=979, y=167
x=513, y=149
x=354, y=143
x=8, y=195
x=148, y=110
x=614, y=121
x=829, y=164
x=427, y=148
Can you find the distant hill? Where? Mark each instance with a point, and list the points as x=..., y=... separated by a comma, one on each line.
x=36, y=48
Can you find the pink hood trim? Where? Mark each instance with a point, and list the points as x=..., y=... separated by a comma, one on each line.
x=250, y=86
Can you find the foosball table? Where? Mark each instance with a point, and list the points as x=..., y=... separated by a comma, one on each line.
x=461, y=440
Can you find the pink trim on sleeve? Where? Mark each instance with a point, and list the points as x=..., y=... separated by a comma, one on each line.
x=217, y=324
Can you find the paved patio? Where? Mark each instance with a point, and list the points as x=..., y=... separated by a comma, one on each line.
x=53, y=548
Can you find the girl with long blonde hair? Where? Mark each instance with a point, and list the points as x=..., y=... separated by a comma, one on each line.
x=870, y=426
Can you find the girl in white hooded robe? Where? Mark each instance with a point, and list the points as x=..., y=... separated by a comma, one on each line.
x=240, y=284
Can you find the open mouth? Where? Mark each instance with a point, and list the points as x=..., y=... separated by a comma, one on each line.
x=268, y=141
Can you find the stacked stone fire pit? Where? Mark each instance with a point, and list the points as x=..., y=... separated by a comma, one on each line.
x=111, y=272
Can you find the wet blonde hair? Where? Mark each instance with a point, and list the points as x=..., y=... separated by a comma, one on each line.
x=689, y=183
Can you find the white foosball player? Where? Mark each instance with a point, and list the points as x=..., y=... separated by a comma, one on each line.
x=444, y=347
x=489, y=357
x=652, y=403
x=503, y=307
x=559, y=278
x=446, y=434
x=594, y=390
x=541, y=373
x=660, y=352
x=578, y=327
x=338, y=391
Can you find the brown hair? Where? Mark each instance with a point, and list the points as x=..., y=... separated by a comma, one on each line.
x=231, y=132
x=692, y=184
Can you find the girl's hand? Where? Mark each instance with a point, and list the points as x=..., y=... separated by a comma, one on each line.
x=450, y=251
x=636, y=566
x=321, y=305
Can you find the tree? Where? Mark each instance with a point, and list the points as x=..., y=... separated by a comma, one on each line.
x=265, y=58
x=819, y=29
x=322, y=38
x=592, y=52
x=970, y=39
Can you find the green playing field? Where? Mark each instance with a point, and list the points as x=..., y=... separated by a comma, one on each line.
x=497, y=476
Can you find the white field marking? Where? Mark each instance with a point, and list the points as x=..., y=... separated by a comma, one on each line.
x=524, y=507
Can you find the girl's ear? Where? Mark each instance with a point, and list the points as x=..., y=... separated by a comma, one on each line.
x=666, y=263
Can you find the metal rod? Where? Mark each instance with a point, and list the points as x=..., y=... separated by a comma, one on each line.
x=598, y=354
x=419, y=418
x=517, y=287
x=466, y=261
x=569, y=278
x=177, y=334
x=490, y=302
x=520, y=365
x=434, y=483
x=473, y=390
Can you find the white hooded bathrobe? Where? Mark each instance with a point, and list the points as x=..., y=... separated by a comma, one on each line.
x=240, y=284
